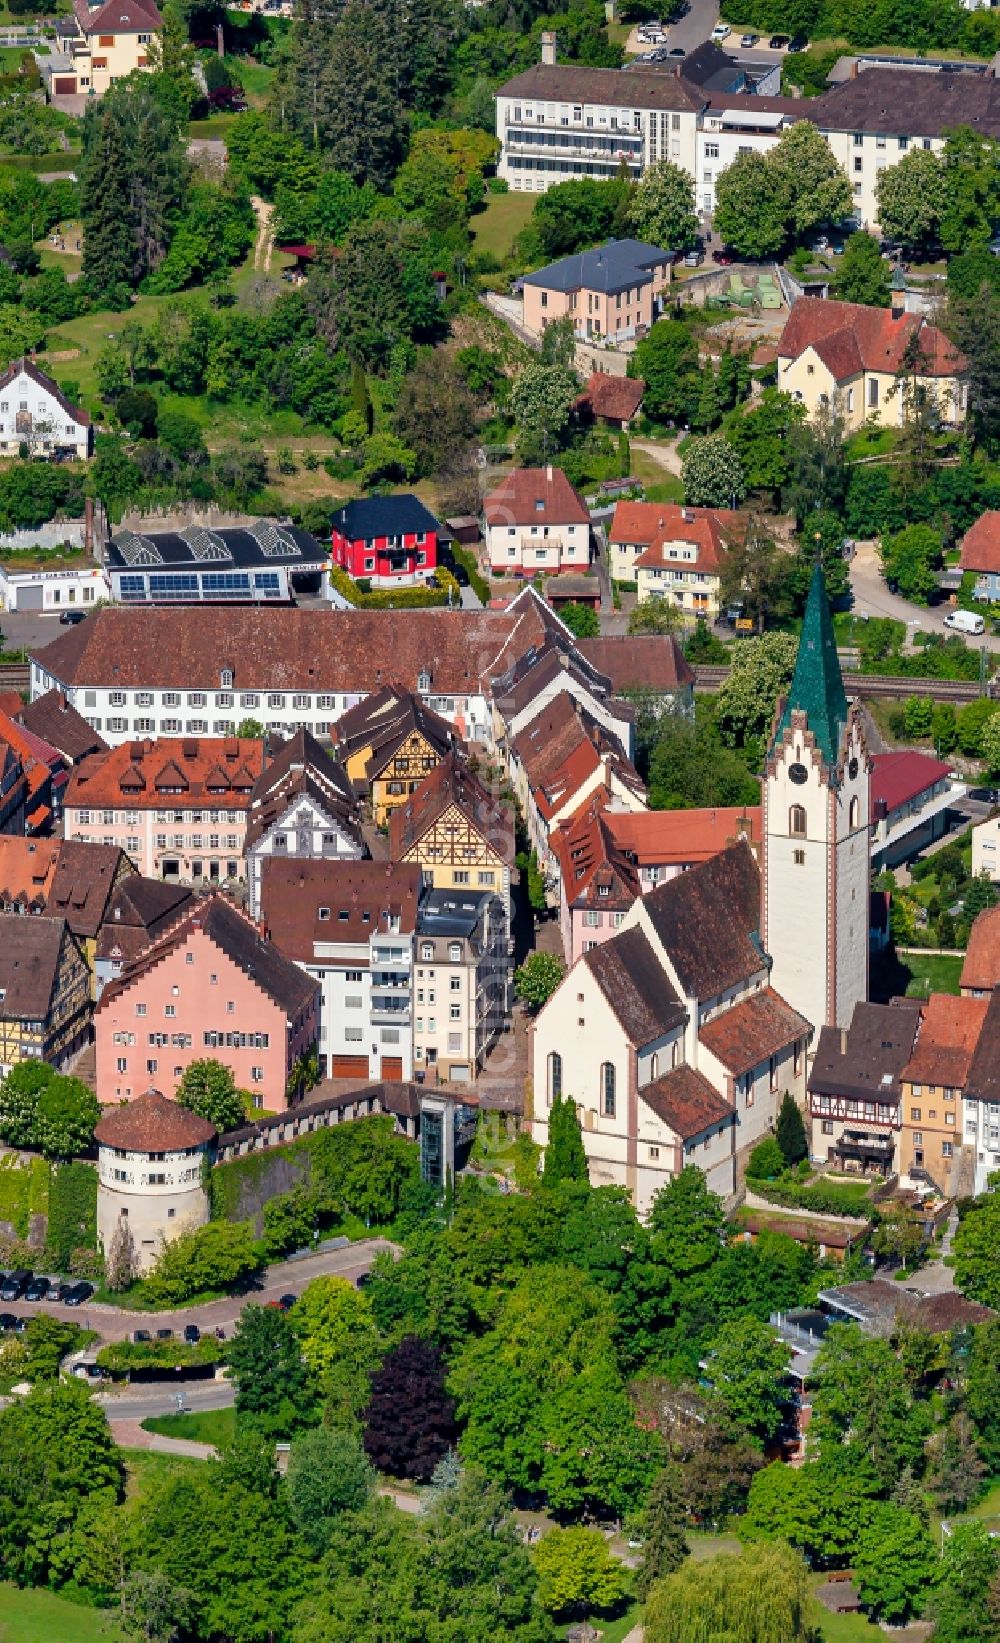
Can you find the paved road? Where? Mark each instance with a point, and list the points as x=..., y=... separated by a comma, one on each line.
x=695, y=26
x=287, y=1278
x=140, y=1402
x=29, y=628
x=872, y=598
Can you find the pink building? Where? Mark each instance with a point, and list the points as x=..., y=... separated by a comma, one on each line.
x=597, y=884
x=211, y=986
x=613, y=291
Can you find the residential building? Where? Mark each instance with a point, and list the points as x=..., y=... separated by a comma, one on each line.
x=390, y=541
x=62, y=878
x=912, y=796
x=351, y=926
x=35, y=413
x=868, y=363
x=461, y=987
x=669, y=1037
x=855, y=1087
x=555, y=669
x=302, y=805
x=673, y=553
x=877, y=1305
x=651, y=666
x=659, y=844
x=736, y=122
x=25, y=781
x=933, y=1090
x=139, y=912
x=178, y=806
x=99, y=44
x=981, y=966
x=555, y=122
x=45, y=1008
x=535, y=521
x=597, y=882
x=57, y=723
x=980, y=554
x=388, y=745
x=265, y=561
x=151, y=1162
x=457, y=832
x=981, y=1106
x=160, y=671
x=612, y=292
x=816, y=833
x=613, y=401
x=211, y=985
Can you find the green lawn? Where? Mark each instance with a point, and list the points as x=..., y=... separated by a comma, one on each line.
x=668, y=488
x=932, y=973
x=217, y=125
x=495, y=227
x=255, y=79
x=145, y=1469
x=41, y=1617
x=216, y=1426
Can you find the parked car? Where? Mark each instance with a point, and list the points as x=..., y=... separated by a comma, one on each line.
x=724, y=256
x=721, y=31
x=164, y=1334
x=7, y=1320
x=778, y=42
x=820, y=243
x=798, y=42
x=677, y=51
x=78, y=1293
x=70, y=618
x=286, y=1302
x=192, y=1334
x=141, y=1337
x=36, y=1290
x=461, y=576
x=749, y=39
x=15, y=1284
x=20, y=1325
x=694, y=258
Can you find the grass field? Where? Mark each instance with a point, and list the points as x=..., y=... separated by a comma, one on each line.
x=204, y=1426
x=932, y=973
x=145, y=1468
x=494, y=228
x=41, y=1617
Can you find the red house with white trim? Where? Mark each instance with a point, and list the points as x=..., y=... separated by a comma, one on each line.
x=391, y=541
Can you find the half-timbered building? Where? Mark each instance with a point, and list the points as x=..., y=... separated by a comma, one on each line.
x=388, y=745
x=457, y=831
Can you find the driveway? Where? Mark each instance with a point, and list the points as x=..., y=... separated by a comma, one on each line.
x=695, y=26
x=114, y=1323
x=872, y=598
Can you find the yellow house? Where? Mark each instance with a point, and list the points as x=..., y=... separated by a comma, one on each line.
x=455, y=829
x=389, y=744
x=673, y=553
x=99, y=44
x=45, y=1003
x=869, y=362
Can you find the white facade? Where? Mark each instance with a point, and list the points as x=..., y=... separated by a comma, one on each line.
x=527, y=549
x=864, y=155
x=303, y=830
x=546, y=141
x=725, y=134
x=982, y=1137
x=367, y=1006
x=160, y=1195
x=32, y=415
x=986, y=849
x=72, y=588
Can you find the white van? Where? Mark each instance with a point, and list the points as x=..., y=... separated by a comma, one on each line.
x=721, y=31
x=965, y=621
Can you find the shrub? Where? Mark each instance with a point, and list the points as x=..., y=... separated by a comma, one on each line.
x=767, y=1161
x=122, y=1356
x=385, y=599
x=218, y=1256
x=72, y=1212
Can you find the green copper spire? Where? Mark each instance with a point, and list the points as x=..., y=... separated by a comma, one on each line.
x=817, y=687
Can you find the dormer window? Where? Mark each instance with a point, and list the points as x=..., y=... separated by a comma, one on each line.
x=423, y=681
x=226, y=679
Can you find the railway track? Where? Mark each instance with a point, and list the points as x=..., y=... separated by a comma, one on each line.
x=871, y=684
x=14, y=675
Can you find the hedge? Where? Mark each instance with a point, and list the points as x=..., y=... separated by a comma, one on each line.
x=386, y=599
x=121, y=1356
x=72, y=1212
x=24, y=1191
x=469, y=562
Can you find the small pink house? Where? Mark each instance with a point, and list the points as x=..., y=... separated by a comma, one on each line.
x=597, y=883
x=211, y=986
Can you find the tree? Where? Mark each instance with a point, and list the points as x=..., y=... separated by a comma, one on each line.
x=580, y=213
x=977, y=1272
x=215, y=1257
x=208, y=1088
x=910, y=560
x=565, y=1158
x=989, y=743
x=328, y=1473
x=712, y=474
x=970, y=1564
x=249, y=730
x=582, y=620
x=747, y=1367
x=131, y=187
x=864, y=274
x=666, y=359
x=339, y=1342
x=662, y=210
x=790, y=1132
x=974, y=326
x=274, y=1390
x=435, y=415
x=655, y=616
x=895, y=1563
x=577, y=1573
x=358, y=48
x=664, y=1542
x=911, y=200
x=20, y=1093
x=171, y=59
x=760, y=436
x=863, y=1404
x=753, y=574
x=752, y=207
x=971, y=194
x=540, y=402
x=767, y=1161
x=815, y=185
x=65, y=1117
x=155, y=1609
x=409, y=1424
x=761, y=1596
x=955, y=1471
x=686, y=1221
x=537, y=978
x=761, y=671
x=121, y=1265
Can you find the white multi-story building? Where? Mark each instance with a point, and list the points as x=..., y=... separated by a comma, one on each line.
x=301, y=807
x=461, y=994
x=36, y=415
x=351, y=925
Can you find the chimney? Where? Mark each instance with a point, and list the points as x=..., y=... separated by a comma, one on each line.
x=549, y=49
x=855, y=68
x=548, y=473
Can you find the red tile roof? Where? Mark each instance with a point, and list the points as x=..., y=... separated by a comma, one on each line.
x=642, y=661
x=530, y=496
x=304, y=901
x=946, y=1041
x=452, y=783
x=760, y=1026
x=686, y=1102
x=117, y=17
x=981, y=544
x=664, y=838
x=899, y=777
x=594, y=870
x=215, y=771
x=850, y=338
x=617, y=398
x=981, y=970
x=658, y=524
x=64, y=877
x=152, y=1123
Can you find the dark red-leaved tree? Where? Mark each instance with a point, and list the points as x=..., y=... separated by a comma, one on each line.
x=410, y=1420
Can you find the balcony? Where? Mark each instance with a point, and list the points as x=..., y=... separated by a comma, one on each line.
x=391, y=1011
x=589, y=145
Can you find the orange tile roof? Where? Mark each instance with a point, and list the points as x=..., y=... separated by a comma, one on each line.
x=594, y=870
x=529, y=496
x=981, y=970
x=616, y=397
x=658, y=524
x=760, y=1026
x=219, y=772
x=946, y=1040
x=665, y=838
x=981, y=544
x=850, y=338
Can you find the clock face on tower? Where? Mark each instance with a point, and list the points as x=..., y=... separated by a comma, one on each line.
x=798, y=774
x=852, y=769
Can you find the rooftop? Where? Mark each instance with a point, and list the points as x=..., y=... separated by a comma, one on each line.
x=981, y=969
x=708, y=920
x=850, y=338
x=55, y=719
x=380, y=725
x=617, y=398
x=868, y=1059
x=529, y=496
x=452, y=912
x=260, y=545
x=640, y=661
x=138, y=912
x=817, y=687
x=29, y=965
x=876, y=1303
x=609, y=267
x=981, y=545
x=152, y=1123
x=664, y=838
x=634, y=983
x=893, y=101
x=309, y=901
x=685, y=1101
x=983, y=1082
x=946, y=1040
x=561, y=83
x=594, y=869
x=369, y=517
x=747, y=1034
x=216, y=771
x=452, y=783
x=64, y=877
x=898, y=778
x=37, y=375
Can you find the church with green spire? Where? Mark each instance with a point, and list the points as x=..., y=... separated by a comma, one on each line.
x=815, y=868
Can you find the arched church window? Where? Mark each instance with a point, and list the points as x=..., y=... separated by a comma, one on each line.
x=797, y=820
x=555, y=1077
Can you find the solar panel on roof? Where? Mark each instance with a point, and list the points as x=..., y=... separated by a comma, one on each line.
x=137, y=550
x=205, y=545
